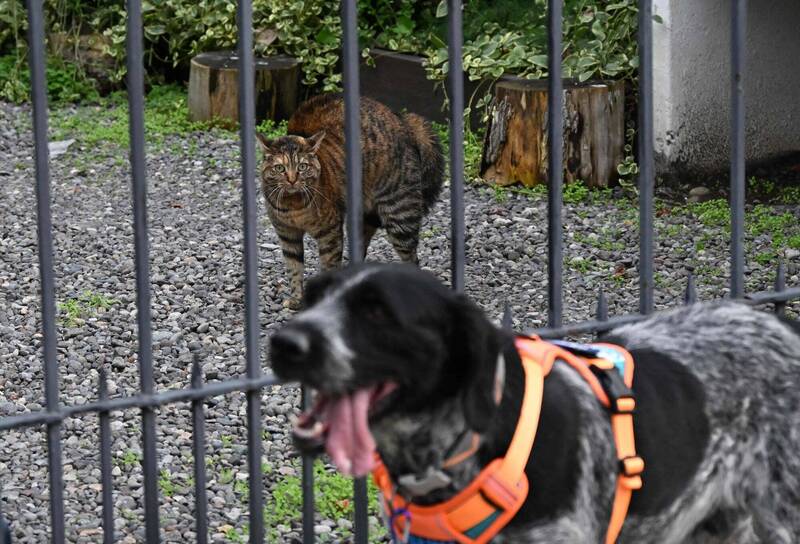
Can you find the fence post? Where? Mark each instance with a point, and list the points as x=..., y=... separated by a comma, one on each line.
x=555, y=131
x=645, y=145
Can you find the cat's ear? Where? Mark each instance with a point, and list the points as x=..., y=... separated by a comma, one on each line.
x=264, y=143
x=315, y=140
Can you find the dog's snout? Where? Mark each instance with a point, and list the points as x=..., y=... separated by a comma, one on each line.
x=290, y=345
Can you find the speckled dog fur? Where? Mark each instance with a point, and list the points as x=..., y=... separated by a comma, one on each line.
x=717, y=418
x=749, y=364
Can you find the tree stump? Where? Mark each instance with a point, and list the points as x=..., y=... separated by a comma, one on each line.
x=214, y=87
x=515, y=149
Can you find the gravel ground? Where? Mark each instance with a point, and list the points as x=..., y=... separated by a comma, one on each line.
x=196, y=279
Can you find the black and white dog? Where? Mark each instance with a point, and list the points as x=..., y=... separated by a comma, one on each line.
x=401, y=363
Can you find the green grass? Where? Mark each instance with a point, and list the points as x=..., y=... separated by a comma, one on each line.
x=781, y=227
x=86, y=305
x=106, y=123
x=333, y=500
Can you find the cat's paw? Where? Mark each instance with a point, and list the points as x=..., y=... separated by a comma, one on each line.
x=292, y=303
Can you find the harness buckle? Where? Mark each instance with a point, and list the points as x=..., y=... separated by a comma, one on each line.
x=621, y=398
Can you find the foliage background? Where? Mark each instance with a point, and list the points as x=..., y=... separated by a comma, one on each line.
x=501, y=36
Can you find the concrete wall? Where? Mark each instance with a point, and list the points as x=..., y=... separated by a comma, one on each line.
x=692, y=83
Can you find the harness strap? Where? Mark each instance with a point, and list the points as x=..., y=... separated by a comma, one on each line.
x=478, y=512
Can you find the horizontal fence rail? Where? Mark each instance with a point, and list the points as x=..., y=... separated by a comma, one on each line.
x=255, y=380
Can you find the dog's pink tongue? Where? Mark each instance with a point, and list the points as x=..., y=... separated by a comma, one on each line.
x=349, y=442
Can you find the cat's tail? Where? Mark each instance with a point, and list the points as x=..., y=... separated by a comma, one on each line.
x=431, y=157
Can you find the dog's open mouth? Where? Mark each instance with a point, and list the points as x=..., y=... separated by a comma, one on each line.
x=341, y=424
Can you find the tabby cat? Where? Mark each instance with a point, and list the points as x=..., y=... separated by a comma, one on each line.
x=304, y=182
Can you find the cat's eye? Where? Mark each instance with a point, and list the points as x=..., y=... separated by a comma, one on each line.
x=302, y=167
x=279, y=168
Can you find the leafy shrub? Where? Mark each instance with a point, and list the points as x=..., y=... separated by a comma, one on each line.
x=65, y=82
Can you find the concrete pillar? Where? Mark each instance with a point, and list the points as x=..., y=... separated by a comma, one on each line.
x=691, y=56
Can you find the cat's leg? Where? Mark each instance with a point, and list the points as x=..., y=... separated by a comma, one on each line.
x=402, y=221
x=291, y=241
x=371, y=223
x=329, y=240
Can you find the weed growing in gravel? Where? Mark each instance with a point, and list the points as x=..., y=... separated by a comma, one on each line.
x=429, y=233
x=225, y=476
x=87, y=305
x=580, y=264
x=165, y=483
x=129, y=459
x=333, y=499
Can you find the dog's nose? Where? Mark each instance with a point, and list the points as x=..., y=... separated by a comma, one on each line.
x=290, y=345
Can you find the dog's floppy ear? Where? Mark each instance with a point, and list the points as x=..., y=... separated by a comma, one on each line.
x=476, y=346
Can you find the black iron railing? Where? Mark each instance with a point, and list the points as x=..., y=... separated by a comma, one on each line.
x=148, y=400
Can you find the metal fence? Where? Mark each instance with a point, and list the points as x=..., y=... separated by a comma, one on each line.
x=148, y=400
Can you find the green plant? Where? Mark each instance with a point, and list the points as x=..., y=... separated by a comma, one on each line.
x=165, y=483
x=575, y=192
x=599, y=40
x=85, y=305
x=579, y=264
x=65, y=82
x=271, y=129
x=628, y=169
x=333, y=498
x=129, y=459
x=225, y=476
x=500, y=193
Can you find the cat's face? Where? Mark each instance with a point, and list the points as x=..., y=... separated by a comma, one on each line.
x=290, y=165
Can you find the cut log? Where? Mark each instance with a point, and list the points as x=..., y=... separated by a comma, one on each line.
x=214, y=87
x=515, y=148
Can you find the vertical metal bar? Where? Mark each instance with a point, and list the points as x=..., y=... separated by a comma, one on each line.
x=602, y=307
x=105, y=464
x=507, y=324
x=690, y=296
x=135, y=65
x=455, y=88
x=645, y=145
x=555, y=132
x=45, y=238
x=352, y=128
x=780, y=285
x=739, y=28
x=247, y=129
x=308, y=482
x=199, y=450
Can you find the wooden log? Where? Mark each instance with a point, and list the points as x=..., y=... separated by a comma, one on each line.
x=214, y=87
x=515, y=147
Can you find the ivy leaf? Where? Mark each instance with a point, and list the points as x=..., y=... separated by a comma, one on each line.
x=441, y=9
x=658, y=19
x=325, y=36
x=155, y=30
x=597, y=30
x=404, y=24
x=583, y=76
x=539, y=60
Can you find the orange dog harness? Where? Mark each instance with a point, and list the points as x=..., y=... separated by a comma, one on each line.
x=478, y=512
